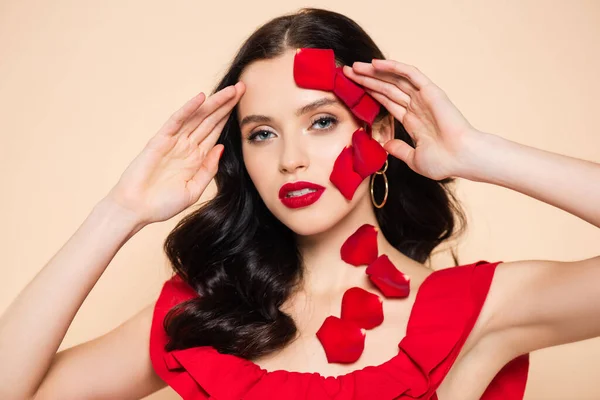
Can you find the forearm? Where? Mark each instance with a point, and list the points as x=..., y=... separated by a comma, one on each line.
x=568, y=183
x=35, y=323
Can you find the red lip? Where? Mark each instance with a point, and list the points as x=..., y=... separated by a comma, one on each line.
x=300, y=201
x=290, y=187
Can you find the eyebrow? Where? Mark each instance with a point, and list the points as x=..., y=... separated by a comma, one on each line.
x=301, y=111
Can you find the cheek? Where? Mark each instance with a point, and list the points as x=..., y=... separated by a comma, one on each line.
x=260, y=169
x=326, y=150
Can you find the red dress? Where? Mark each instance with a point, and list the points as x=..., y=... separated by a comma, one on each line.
x=444, y=312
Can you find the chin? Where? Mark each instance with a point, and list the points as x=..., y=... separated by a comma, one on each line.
x=316, y=218
x=310, y=226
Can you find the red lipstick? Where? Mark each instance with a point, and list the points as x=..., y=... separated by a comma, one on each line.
x=301, y=200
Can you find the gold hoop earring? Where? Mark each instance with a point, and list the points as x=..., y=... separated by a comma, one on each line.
x=382, y=172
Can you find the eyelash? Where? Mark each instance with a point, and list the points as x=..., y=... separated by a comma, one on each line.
x=331, y=119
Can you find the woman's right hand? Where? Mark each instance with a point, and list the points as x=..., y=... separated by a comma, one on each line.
x=178, y=163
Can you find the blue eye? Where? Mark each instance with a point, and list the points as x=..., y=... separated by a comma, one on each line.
x=329, y=121
x=258, y=133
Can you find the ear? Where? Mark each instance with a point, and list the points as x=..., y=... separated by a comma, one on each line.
x=383, y=130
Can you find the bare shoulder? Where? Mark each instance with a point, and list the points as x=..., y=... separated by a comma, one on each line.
x=491, y=329
x=534, y=304
x=115, y=365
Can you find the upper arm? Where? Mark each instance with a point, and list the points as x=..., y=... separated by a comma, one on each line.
x=112, y=366
x=540, y=303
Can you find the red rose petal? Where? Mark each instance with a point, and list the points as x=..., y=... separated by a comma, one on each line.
x=361, y=247
x=366, y=109
x=343, y=175
x=348, y=91
x=368, y=155
x=343, y=341
x=362, y=307
x=387, y=278
x=315, y=68
x=390, y=288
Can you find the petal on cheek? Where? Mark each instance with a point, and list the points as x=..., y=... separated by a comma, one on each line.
x=343, y=341
x=343, y=175
x=361, y=247
x=388, y=278
x=363, y=307
x=369, y=156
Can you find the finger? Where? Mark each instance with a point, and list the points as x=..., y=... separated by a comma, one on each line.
x=401, y=82
x=401, y=150
x=390, y=90
x=207, y=171
x=412, y=73
x=212, y=103
x=213, y=136
x=394, y=108
x=397, y=110
x=175, y=121
x=209, y=123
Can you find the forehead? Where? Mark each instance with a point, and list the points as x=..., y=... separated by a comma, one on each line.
x=271, y=89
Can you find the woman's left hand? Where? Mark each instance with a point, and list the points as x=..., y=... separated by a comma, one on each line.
x=438, y=129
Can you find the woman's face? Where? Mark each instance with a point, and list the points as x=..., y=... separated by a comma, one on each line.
x=284, y=141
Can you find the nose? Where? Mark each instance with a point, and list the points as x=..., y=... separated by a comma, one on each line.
x=293, y=157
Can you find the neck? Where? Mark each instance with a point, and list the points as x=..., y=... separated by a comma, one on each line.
x=324, y=270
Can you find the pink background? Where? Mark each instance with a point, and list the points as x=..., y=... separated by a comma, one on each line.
x=83, y=85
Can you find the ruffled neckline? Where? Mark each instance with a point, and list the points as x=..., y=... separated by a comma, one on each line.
x=445, y=309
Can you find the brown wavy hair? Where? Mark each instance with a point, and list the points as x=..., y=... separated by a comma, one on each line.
x=241, y=260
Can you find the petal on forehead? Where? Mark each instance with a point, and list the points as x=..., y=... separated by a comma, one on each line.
x=366, y=109
x=345, y=89
x=314, y=68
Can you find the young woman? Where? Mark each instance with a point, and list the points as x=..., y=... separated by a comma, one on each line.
x=271, y=297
